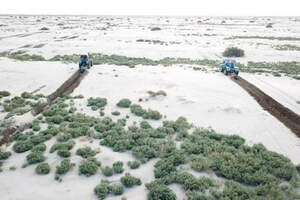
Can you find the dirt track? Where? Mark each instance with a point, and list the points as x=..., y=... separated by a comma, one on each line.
x=66, y=88
x=289, y=118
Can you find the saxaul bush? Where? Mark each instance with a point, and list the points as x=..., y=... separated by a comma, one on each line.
x=233, y=52
x=107, y=171
x=4, y=155
x=134, y=164
x=89, y=166
x=35, y=157
x=96, y=103
x=130, y=181
x=105, y=188
x=64, y=166
x=118, y=167
x=39, y=148
x=124, y=103
x=85, y=152
x=42, y=168
x=159, y=191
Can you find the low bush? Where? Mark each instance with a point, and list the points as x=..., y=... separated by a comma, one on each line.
x=104, y=188
x=42, y=168
x=64, y=137
x=4, y=94
x=118, y=167
x=158, y=93
x=160, y=192
x=39, y=148
x=116, y=113
x=97, y=103
x=137, y=110
x=68, y=146
x=155, y=29
x=35, y=157
x=130, y=181
x=134, y=164
x=117, y=189
x=64, y=167
x=200, y=164
x=124, y=103
x=85, y=152
x=107, y=171
x=153, y=114
x=233, y=52
x=145, y=125
x=22, y=146
x=89, y=166
x=4, y=155
x=64, y=153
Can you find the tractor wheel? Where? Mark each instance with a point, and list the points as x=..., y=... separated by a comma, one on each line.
x=222, y=70
x=226, y=73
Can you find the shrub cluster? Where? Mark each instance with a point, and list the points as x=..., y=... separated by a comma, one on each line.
x=42, y=168
x=85, y=152
x=4, y=94
x=22, y=146
x=105, y=188
x=130, y=181
x=160, y=192
x=233, y=52
x=64, y=167
x=134, y=164
x=116, y=113
x=107, y=171
x=124, y=103
x=4, y=155
x=118, y=167
x=35, y=157
x=96, y=103
x=89, y=166
x=39, y=148
x=146, y=114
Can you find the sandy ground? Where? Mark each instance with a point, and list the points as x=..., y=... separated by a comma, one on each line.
x=191, y=37
x=205, y=99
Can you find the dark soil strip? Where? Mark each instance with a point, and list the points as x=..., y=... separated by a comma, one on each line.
x=66, y=88
x=289, y=118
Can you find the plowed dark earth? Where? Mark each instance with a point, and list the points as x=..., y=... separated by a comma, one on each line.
x=289, y=118
x=66, y=88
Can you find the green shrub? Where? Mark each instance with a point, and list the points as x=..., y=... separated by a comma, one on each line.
x=134, y=164
x=200, y=164
x=137, y=110
x=39, y=147
x=233, y=52
x=153, y=114
x=56, y=119
x=64, y=167
x=145, y=125
x=97, y=103
x=118, y=167
x=102, y=190
x=89, y=166
x=130, y=181
x=35, y=157
x=124, y=103
x=158, y=93
x=36, y=127
x=85, y=152
x=22, y=146
x=4, y=155
x=117, y=189
x=4, y=94
x=68, y=146
x=39, y=138
x=116, y=113
x=160, y=192
x=145, y=152
x=64, y=137
x=42, y=168
x=107, y=171
x=65, y=153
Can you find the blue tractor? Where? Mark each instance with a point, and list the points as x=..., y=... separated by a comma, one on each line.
x=84, y=63
x=228, y=67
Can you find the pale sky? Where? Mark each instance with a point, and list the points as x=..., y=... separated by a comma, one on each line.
x=153, y=7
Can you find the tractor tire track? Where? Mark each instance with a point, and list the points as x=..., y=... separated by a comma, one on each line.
x=286, y=116
x=66, y=88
